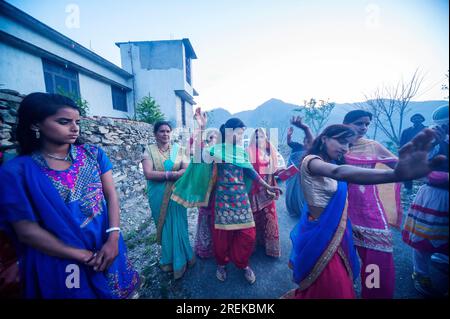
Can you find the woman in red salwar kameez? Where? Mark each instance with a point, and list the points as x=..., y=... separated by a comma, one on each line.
x=263, y=157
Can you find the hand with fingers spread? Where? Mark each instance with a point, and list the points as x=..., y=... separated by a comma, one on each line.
x=413, y=160
x=298, y=122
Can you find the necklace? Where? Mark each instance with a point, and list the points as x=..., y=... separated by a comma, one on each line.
x=164, y=153
x=66, y=158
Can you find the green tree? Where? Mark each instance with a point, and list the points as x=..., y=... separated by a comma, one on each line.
x=148, y=111
x=316, y=114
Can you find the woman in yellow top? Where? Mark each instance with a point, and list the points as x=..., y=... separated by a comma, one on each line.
x=323, y=256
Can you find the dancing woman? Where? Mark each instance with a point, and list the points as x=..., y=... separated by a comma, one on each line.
x=204, y=245
x=323, y=257
x=373, y=208
x=295, y=201
x=227, y=172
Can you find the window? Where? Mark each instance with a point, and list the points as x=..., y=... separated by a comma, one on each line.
x=119, y=99
x=183, y=112
x=188, y=71
x=60, y=79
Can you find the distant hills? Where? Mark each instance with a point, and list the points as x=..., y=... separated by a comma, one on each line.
x=276, y=113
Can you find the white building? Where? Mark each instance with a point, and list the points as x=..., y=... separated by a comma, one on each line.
x=37, y=58
x=163, y=70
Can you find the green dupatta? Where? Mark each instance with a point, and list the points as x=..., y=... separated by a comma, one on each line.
x=194, y=188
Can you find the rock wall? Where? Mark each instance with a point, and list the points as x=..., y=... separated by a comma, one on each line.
x=121, y=139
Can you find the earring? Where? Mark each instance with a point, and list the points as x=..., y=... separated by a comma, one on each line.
x=38, y=134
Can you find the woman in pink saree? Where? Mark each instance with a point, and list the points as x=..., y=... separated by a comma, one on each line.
x=373, y=208
x=263, y=157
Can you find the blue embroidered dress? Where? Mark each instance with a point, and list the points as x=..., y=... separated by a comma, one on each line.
x=70, y=204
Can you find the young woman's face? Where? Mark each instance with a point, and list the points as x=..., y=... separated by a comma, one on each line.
x=62, y=127
x=163, y=134
x=361, y=126
x=336, y=148
x=260, y=137
x=234, y=135
x=238, y=134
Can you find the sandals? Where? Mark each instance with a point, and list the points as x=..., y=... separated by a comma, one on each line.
x=221, y=273
x=249, y=275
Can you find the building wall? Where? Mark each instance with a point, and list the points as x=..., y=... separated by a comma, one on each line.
x=16, y=63
x=20, y=71
x=159, y=70
x=99, y=96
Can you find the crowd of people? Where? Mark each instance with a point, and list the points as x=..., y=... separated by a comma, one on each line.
x=59, y=209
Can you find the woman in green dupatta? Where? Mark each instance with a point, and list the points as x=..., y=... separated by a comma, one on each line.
x=163, y=164
x=230, y=177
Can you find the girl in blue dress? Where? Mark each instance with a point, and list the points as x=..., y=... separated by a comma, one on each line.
x=59, y=203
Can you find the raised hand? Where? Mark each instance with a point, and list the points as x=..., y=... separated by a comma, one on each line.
x=201, y=118
x=298, y=122
x=413, y=160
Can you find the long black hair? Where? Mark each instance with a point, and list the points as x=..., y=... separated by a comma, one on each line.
x=352, y=116
x=33, y=109
x=336, y=131
x=232, y=123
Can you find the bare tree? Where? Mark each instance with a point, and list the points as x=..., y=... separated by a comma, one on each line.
x=316, y=114
x=391, y=102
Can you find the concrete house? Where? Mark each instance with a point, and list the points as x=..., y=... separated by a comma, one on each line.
x=35, y=57
x=162, y=69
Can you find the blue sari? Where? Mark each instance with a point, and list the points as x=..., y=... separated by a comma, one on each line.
x=314, y=243
x=28, y=193
x=295, y=201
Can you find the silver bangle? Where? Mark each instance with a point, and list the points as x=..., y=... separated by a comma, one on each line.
x=113, y=229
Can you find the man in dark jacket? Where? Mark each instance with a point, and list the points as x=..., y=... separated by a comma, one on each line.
x=408, y=134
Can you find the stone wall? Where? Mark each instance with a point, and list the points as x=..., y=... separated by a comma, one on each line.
x=121, y=139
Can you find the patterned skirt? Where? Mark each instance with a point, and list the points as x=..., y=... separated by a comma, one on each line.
x=426, y=226
x=204, y=247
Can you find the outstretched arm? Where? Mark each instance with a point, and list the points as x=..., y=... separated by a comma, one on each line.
x=352, y=174
x=413, y=163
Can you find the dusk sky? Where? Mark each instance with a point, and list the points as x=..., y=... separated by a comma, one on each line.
x=251, y=51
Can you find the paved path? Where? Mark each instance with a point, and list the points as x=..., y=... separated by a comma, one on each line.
x=274, y=277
